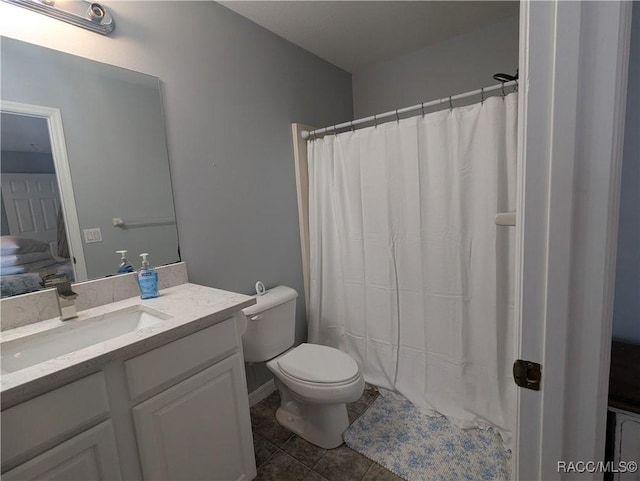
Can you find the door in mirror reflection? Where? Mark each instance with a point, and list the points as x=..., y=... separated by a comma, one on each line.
x=34, y=238
x=30, y=197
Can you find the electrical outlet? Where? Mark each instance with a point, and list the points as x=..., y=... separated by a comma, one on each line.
x=92, y=235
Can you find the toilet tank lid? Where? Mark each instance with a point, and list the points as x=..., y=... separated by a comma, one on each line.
x=271, y=298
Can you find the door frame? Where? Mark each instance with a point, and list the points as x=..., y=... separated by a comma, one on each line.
x=53, y=117
x=573, y=68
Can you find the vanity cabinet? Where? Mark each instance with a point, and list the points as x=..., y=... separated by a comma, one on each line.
x=91, y=455
x=178, y=411
x=197, y=428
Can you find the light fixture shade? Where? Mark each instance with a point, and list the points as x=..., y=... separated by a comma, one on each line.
x=89, y=15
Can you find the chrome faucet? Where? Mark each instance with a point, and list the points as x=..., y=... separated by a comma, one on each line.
x=66, y=297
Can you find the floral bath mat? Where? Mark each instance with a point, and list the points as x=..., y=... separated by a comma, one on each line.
x=418, y=447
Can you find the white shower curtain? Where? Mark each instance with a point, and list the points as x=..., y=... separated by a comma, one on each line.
x=409, y=273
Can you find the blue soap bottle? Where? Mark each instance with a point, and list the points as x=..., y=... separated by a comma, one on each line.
x=125, y=266
x=147, y=279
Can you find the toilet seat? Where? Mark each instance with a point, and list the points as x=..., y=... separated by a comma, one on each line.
x=316, y=386
x=316, y=364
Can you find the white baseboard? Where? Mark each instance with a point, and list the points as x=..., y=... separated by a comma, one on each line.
x=262, y=392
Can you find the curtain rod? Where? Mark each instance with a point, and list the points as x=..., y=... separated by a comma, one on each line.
x=396, y=113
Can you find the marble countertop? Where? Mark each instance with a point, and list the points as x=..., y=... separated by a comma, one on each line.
x=191, y=307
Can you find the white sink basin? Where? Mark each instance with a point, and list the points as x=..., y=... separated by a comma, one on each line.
x=75, y=335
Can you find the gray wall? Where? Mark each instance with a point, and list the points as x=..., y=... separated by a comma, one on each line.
x=626, y=313
x=461, y=64
x=231, y=91
x=25, y=163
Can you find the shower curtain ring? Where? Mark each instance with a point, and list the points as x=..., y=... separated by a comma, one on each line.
x=422, y=108
x=397, y=116
x=482, y=95
x=502, y=87
x=517, y=85
x=335, y=130
x=450, y=103
x=375, y=120
x=353, y=129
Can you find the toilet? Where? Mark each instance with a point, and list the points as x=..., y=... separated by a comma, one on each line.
x=315, y=382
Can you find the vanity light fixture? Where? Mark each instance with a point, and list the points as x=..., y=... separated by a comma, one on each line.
x=81, y=13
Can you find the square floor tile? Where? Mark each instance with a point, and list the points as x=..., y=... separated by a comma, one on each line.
x=353, y=415
x=282, y=467
x=260, y=413
x=273, y=432
x=368, y=396
x=263, y=450
x=379, y=473
x=313, y=476
x=342, y=464
x=304, y=451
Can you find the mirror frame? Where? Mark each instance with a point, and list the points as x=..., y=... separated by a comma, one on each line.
x=63, y=175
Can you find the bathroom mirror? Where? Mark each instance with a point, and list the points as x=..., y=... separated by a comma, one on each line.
x=85, y=167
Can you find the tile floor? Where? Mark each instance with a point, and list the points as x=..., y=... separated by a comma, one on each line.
x=284, y=456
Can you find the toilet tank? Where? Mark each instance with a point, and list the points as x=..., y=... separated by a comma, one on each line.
x=271, y=324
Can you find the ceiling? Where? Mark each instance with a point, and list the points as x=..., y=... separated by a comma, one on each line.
x=350, y=34
x=356, y=34
x=20, y=133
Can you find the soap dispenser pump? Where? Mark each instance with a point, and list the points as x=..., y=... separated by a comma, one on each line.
x=125, y=266
x=147, y=279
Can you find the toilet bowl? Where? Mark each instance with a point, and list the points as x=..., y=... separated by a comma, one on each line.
x=315, y=382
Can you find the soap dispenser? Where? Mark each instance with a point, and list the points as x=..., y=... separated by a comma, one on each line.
x=125, y=266
x=147, y=279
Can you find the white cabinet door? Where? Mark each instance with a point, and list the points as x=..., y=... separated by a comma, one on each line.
x=91, y=455
x=199, y=429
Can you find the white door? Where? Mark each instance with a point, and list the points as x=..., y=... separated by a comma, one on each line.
x=199, y=429
x=573, y=69
x=91, y=455
x=32, y=202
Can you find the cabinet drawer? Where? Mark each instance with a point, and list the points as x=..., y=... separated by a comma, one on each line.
x=32, y=426
x=170, y=363
x=91, y=455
